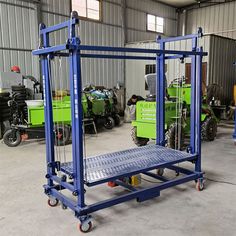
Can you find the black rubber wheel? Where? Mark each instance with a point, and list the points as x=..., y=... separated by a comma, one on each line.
x=6, y=112
x=173, y=137
x=53, y=202
x=109, y=123
x=85, y=227
x=200, y=185
x=12, y=138
x=5, y=116
x=4, y=94
x=21, y=104
x=20, y=97
x=117, y=119
x=209, y=129
x=138, y=140
x=17, y=87
x=4, y=106
x=62, y=134
x=19, y=90
x=4, y=100
x=160, y=171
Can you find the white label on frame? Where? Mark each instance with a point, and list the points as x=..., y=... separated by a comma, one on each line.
x=76, y=109
x=44, y=91
x=75, y=84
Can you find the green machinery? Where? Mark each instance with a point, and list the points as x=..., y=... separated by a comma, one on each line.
x=177, y=121
x=93, y=107
x=61, y=113
x=97, y=108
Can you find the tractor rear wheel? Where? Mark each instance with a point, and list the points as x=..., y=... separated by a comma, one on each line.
x=109, y=123
x=117, y=119
x=209, y=129
x=175, y=137
x=137, y=140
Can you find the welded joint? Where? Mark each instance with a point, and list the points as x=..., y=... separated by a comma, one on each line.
x=55, y=164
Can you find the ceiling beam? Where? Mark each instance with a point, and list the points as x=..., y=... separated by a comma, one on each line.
x=202, y=4
x=164, y=3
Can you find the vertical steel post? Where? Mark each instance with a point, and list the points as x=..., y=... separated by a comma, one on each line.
x=77, y=117
x=48, y=115
x=160, y=96
x=234, y=135
x=193, y=99
x=198, y=110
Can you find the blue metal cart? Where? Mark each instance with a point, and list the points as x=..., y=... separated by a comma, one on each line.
x=101, y=169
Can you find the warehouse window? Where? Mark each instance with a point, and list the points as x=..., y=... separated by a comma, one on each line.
x=87, y=8
x=150, y=69
x=155, y=23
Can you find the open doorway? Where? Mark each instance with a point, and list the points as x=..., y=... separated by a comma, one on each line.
x=204, y=75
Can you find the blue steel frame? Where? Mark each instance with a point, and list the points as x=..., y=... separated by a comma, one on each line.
x=234, y=134
x=73, y=50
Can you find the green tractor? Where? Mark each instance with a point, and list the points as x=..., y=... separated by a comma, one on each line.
x=177, y=118
x=97, y=106
x=100, y=104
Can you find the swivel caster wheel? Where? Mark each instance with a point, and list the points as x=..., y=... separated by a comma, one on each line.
x=199, y=185
x=64, y=207
x=53, y=202
x=85, y=226
x=160, y=171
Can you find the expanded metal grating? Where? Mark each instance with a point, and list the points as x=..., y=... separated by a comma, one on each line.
x=108, y=166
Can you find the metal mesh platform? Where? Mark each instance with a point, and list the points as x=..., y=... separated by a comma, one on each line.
x=109, y=166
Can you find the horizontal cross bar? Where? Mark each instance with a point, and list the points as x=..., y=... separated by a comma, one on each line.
x=179, y=38
x=64, y=184
x=139, y=50
x=116, y=57
x=87, y=55
x=155, y=176
x=116, y=49
x=117, y=200
x=59, y=26
x=51, y=49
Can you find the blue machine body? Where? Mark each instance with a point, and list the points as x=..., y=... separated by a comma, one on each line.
x=114, y=166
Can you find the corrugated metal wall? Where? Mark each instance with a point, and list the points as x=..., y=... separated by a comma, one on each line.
x=54, y=12
x=18, y=36
x=108, y=32
x=216, y=19
x=222, y=55
x=135, y=70
x=136, y=19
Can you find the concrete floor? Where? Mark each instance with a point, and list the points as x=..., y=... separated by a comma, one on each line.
x=178, y=211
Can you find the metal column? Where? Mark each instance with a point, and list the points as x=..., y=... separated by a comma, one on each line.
x=77, y=116
x=193, y=96
x=198, y=101
x=46, y=73
x=160, y=96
